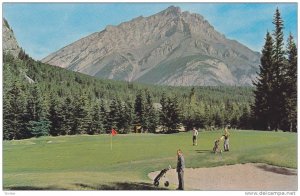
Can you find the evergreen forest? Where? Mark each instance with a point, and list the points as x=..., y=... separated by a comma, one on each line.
x=41, y=99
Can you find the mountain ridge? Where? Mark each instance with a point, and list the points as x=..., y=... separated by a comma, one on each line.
x=182, y=45
x=10, y=44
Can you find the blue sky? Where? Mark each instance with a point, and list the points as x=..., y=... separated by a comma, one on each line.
x=43, y=28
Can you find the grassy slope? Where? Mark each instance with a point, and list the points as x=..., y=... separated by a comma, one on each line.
x=87, y=162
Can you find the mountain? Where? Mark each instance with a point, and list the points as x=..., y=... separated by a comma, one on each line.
x=74, y=99
x=10, y=44
x=169, y=48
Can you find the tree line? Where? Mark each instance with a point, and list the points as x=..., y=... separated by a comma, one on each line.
x=40, y=99
x=275, y=105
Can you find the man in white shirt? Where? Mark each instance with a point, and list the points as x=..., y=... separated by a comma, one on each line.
x=195, y=134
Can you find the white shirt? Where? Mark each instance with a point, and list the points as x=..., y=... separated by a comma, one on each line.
x=195, y=132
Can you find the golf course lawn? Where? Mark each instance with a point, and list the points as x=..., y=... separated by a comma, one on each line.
x=84, y=162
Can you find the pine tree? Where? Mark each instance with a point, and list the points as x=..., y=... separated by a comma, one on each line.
x=218, y=120
x=163, y=111
x=189, y=117
x=192, y=96
x=40, y=128
x=244, y=120
x=278, y=51
x=192, y=117
x=172, y=114
x=7, y=85
x=290, y=120
x=139, y=110
x=261, y=110
x=96, y=123
x=68, y=121
x=8, y=77
x=7, y=132
x=104, y=117
x=15, y=120
x=278, y=90
x=127, y=116
x=82, y=115
x=207, y=118
x=34, y=104
x=150, y=115
x=120, y=116
x=113, y=115
x=55, y=116
x=37, y=113
x=227, y=113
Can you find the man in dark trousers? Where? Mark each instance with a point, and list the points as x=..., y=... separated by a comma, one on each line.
x=195, y=134
x=180, y=169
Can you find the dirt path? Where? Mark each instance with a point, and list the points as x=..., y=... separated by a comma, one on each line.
x=240, y=177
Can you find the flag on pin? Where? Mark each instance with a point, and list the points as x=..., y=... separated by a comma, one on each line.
x=113, y=132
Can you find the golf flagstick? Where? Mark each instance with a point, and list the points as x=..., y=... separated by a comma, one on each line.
x=110, y=141
x=113, y=132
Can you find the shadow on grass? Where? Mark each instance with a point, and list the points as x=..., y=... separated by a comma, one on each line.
x=121, y=186
x=32, y=188
x=203, y=151
x=278, y=170
x=167, y=132
x=81, y=186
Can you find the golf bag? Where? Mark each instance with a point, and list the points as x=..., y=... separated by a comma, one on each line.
x=216, y=147
x=162, y=176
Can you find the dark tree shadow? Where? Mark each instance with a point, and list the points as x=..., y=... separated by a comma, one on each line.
x=112, y=186
x=121, y=186
x=203, y=151
x=167, y=132
x=278, y=170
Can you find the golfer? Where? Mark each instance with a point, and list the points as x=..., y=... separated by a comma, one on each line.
x=226, y=141
x=180, y=169
x=195, y=134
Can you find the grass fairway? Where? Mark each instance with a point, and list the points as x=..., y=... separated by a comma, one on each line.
x=88, y=163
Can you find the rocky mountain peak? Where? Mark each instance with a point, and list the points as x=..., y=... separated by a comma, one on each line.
x=172, y=10
x=171, y=47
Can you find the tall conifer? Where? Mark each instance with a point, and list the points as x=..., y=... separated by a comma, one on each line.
x=261, y=110
x=278, y=89
x=290, y=120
